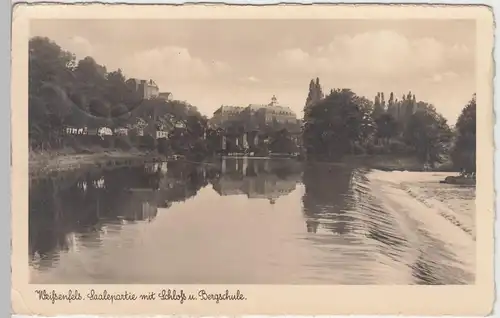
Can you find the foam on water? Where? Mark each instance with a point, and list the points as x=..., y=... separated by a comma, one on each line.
x=442, y=240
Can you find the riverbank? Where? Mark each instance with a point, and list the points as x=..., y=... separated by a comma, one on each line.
x=40, y=163
x=395, y=163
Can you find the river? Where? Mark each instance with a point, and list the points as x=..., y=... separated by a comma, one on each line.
x=250, y=221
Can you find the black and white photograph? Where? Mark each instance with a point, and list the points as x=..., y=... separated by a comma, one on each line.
x=244, y=151
x=252, y=160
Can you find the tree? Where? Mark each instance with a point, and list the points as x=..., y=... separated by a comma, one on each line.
x=315, y=93
x=50, y=76
x=332, y=126
x=99, y=108
x=318, y=90
x=428, y=132
x=387, y=127
x=64, y=93
x=281, y=142
x=367, y=125
x=48, y=63
x=310, y=95
x=463, y=153
x=378, y=106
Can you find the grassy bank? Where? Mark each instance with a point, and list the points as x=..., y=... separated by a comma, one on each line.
x=68, y=159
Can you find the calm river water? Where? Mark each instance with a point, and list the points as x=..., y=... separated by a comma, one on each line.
x=250, y=221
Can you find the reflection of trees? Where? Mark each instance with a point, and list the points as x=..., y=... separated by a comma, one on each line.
x=312, y=225
x=182, y=181
x=340, y=199
x=267, y=179
x=85, y=202
x=325, y=199
x=379, y=224
x=46, y=227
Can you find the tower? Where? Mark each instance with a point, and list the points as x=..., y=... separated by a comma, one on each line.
x=274, y=101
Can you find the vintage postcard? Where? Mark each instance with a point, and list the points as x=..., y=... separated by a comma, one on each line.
x=238, y=160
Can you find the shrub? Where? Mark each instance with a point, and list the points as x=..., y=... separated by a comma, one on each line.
x=396, y=146
x=372, y=149
x=123, y=143
x=358, y=149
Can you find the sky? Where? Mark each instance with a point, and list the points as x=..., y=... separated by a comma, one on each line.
x=210, y=63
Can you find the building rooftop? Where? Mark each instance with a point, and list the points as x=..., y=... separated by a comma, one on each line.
x=142, y=81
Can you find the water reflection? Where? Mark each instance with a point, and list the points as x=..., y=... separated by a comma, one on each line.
x=324, y=200
x=80, y=205
x=260, y=221
x=257, y=179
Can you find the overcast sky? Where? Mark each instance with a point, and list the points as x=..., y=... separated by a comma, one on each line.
x=238, y=62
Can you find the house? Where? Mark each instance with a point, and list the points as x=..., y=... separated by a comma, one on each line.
x=75, y=131
x=121, y=131
x=147, y=89
x=167, y=96
x=161, y=134
x=105, y=131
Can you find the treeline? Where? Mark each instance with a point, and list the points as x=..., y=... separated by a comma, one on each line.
x=344, y=123
x=64, y=92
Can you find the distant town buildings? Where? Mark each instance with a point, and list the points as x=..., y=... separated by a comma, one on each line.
x=258, y=113
x=147, y=89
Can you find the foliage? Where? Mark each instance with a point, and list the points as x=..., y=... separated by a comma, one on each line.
x=463, y=153
x=315, y=93
x=387, y=127
x=344, y=123
x=64, y=93
x=333, y=125
x=281, y=142
x=428, y=132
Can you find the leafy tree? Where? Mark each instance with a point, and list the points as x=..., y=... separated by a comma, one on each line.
x=66, y=93
x=428, y=132
x=387, y=127
x=367, y=125
x=281, y=142
x=50, y=74
x=378, y=106
x=315, y=93
x=464, y=150
x=310, y=95
x=332, y=126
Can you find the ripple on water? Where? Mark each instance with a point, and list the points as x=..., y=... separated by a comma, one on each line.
x=445, y=252
x=381, y=238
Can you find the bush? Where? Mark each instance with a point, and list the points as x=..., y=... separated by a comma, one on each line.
x=108, y=142
x=147, y=142
x=372, y=149
x=163, y=146
x=396, y=146
x=358, y=149
x=123, y=143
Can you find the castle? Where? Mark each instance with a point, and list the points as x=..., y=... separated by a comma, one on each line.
x=258, y=113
